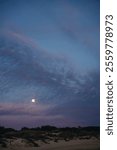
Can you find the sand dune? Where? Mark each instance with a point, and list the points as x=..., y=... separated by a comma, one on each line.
x=84, y=144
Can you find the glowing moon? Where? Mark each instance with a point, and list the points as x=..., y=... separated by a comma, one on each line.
x=33, y=100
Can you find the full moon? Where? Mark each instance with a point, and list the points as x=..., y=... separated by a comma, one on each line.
x=33, y=100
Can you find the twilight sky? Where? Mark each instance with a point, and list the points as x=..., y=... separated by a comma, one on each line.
x=49, y=50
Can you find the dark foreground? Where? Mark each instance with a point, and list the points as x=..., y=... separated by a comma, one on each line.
x=50, y=138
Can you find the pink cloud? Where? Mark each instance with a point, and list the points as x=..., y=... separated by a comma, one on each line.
x=17, y=115
x=24, y=108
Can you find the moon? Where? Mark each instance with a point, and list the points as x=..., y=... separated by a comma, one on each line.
x=33, y=100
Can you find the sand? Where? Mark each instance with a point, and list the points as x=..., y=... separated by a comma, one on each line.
x=77, y=144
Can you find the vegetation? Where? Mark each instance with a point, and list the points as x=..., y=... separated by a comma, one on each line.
x=48, y=133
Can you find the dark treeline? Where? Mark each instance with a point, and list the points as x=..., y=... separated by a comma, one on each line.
x=49, y=128
x=52, y=128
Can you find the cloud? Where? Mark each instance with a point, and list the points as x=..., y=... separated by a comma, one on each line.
x=17, y=115
x=32, y=65
x=24, y=108
x=26, y=72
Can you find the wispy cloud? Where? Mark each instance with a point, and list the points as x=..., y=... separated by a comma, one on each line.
x=36, y=109
x=29, y=114
x=49, y=50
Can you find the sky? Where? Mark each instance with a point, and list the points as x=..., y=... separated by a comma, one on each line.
x=50, y=52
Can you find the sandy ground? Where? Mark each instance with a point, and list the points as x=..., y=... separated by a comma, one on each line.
x=90, y=144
